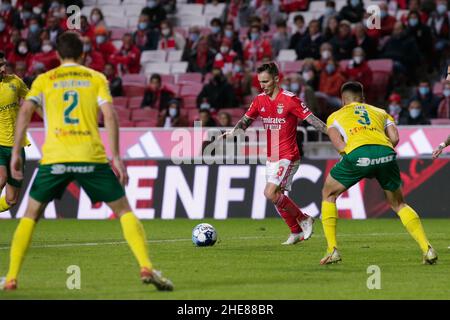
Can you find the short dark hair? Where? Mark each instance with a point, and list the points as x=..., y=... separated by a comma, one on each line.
x=269, y=67
x=354, y=87
x=69, y=45
x=299, y=17
x=155, y=76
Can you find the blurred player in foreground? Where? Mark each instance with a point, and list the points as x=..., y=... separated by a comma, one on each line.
x=442, y=145
x=12, y=89
x=280, y=111
x=365, y=136
x=70, y=96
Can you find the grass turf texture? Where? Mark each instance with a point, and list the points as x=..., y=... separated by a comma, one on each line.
x=248, y=262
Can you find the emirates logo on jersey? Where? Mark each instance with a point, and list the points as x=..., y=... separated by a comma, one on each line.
x=280, y=109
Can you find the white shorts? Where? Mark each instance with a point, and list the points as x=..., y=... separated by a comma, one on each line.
x=281, y=172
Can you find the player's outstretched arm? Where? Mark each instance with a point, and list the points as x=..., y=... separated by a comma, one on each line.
x=242, y=124
x=112, y=127
x=440, y=147
x=23, y=119
x=392, y=133
x=336, y=139
x=317, y=123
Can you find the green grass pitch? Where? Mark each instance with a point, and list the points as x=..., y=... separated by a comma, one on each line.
x=248, y=262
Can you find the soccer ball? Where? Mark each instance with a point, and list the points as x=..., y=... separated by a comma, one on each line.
x=204, y=235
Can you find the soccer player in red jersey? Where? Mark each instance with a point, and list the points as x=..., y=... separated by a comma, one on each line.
x=280, y=111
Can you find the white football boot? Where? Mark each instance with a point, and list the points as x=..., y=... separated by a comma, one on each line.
x=330, y=258
x=307, y=227
x=430, y=257
x=294, y=238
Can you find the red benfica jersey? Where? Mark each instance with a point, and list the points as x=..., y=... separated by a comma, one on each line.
x=280, y=117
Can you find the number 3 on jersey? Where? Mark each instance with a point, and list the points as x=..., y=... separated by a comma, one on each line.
x=72, y=98
x=364, y=117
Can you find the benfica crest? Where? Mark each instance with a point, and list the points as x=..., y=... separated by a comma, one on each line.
x=280, y=109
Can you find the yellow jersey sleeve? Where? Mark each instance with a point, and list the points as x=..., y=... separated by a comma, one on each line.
x=389, y=121
x=35, y=94
x=104, y=95
x=23, y=89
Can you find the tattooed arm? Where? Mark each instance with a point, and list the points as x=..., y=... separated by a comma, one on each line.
x=317, y=123
x=242, y=124
x=441, y=147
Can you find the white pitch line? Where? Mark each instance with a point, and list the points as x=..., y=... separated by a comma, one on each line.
x=93, y=244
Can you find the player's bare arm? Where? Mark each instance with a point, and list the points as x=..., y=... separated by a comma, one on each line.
x=242, y=124
x=112, y=127
x=440, y=147
x=336, y=139
x=392, y=133
x=318, y=124
x=23, y=119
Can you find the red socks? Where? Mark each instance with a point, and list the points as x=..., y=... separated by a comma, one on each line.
x=290, y=213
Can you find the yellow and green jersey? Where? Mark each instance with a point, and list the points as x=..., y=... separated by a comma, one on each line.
x=12, y=89
x=70, y=96
x=361, y=124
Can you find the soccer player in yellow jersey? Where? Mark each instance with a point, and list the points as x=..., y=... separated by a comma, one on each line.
x=365, y=136
x=12, y=89
x=71, y=96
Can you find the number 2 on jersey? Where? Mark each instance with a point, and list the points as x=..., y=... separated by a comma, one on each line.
x=364, y=117
x=73, y=97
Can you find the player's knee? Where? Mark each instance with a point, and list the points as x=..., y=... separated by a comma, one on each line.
x=12, y=201
x=3, y=181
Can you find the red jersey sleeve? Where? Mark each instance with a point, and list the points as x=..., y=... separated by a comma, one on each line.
x=299, y=108
x=253, y=110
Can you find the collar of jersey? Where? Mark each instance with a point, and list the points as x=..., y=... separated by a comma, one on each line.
x=69, y=64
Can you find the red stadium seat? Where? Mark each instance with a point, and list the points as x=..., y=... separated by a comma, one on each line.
x=291, y=66
x=382, y=65
x=167, y=78
x=234, y=112
x=126, y=123
x=438, y=88
x=440, y=122
x=133, y=78
x=134, y=90
x=190, y=102
x=117, y=33
x=120, y=102
x=146, y=123
x=145, y=114
x=175, y=88
x=123, y=113
x=135, y=102
x=188, y=77
x=191, y=90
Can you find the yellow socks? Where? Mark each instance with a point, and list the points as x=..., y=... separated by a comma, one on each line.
x=20, y=243
x=412, y=223
x=134, y=233
x=329, y=221
x=3, y=204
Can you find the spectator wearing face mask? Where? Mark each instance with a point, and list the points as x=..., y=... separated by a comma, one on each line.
x=48, y=56
x=86, y=30
x=395, y=108
x=298, y=86
x=331, y=81
x=268, y=11
x=343, y=42
x=330, y=11
x=256, y=48
x=415, y=115
x=422, y=34
x=115, y=83
x=216, y=35
x=206, y=119
x=309, y=73
x=9, y=14
x=34, y=36
x=146, y=37
x=428, y=100
x=225, y=57
x=54, y=28
x=368, y=44
x=217, y=93
x=127, y=59
x=201, y=58
x=358, y=69
x=387, y=23
x=155, y=12
x=97, y=19
x=103, y=44
x=231, y=34
x=353, y=11
x=92, y=58
x=169, y=39
x=326, y=53
x=439, y=23
x=171, y=117
x=240, y=79
x=191, y=42
x=444, y=106
x=25, y=14
x=21, y=53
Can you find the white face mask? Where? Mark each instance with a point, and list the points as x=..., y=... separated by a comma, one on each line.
x=23, y=50
x=95, y=18
x=46, y=48
x=358, y=59
x=326, y=54
x=307, y=75
x=224, y=49
x=165, y=32
x=173, y=112
x=205, y=105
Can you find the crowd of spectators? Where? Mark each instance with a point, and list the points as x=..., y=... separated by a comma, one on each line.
x=334, y=47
